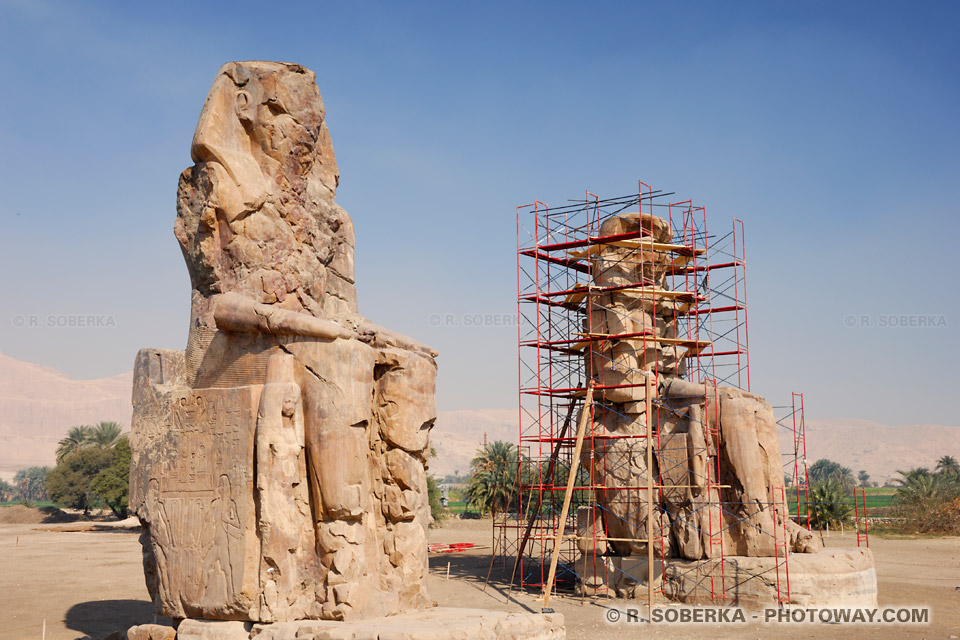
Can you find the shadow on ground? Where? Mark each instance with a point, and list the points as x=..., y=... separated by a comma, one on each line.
x=473, y=569
x=100, y=618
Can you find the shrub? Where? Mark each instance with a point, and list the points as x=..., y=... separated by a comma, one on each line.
x=828, y=504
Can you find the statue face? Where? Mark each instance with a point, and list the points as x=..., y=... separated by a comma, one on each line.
x=262, y=131
x=280, y=108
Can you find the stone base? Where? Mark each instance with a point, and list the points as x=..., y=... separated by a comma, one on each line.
x=439, y=623
x=832, y=577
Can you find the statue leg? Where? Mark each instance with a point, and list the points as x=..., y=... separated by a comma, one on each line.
x=336, y=379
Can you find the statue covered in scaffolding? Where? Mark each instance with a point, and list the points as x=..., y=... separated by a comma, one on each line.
x=714, y=487
x=696, y=423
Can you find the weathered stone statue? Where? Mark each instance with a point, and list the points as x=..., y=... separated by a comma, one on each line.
x=699, y=429
x=278, y=462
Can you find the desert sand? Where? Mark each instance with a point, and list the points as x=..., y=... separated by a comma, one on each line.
x=88, y=584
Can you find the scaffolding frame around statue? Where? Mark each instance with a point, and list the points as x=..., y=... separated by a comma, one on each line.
x=555, y=297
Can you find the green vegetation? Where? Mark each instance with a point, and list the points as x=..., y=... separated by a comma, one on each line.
x=433, y=495
x=925, y=502
x=29, y=503
x=93, y=469
x=828, y=504
x=75, y=439
x=875, y=501
x=113, y=483
x=70, y=482
x=881, y=491
x=8, y=492
x=823, y=470
x=948, y=465
x=493, y=486
x=30, y=484
x=458, y=506
x=929, y=501
x=103, y=435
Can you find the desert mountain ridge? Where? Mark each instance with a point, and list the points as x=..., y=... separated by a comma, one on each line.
x=39, y=404
x=881, y=450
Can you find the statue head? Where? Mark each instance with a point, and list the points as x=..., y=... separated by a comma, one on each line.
x=255, y=214
x=263, y=124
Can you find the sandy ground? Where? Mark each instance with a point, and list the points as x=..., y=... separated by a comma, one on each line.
x=87, y=584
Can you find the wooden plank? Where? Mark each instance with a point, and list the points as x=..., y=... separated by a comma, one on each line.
x=660, y=339
x=642, y=245
x=650, y=389
x=642, y=292
x=565, y=511
x=647, y=245
x=693, y=346
x=634, y=291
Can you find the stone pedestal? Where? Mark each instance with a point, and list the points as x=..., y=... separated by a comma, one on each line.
x=439, y=623
x=832, y=577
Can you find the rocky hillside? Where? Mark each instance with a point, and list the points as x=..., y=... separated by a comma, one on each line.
x=38, y=404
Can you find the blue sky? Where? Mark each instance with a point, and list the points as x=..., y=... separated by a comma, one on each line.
x=830, y=128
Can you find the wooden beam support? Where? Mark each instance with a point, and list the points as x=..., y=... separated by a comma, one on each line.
x=568, y=494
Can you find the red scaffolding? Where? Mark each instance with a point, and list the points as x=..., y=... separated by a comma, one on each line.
x=700, y=278
x=795, y=457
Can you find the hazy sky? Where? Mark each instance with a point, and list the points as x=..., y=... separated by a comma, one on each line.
x=830, y=128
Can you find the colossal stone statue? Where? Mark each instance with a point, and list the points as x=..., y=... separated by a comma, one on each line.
x=278, y=462
x=716, y=453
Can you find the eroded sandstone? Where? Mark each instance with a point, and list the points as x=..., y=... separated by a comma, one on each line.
x=279, y=460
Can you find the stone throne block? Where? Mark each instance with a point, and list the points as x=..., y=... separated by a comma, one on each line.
x=194, y=453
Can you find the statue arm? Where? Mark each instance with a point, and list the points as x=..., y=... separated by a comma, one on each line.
x=381, y=337
x=235, y=312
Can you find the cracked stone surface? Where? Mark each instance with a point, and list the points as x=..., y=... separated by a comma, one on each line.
x=279, y=460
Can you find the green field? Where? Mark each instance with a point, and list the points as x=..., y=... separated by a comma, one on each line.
x=458, y=507
x=881, y=491
x=31, y=504
x=876, y=498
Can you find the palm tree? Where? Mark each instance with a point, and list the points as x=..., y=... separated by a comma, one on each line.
x=919, y=485
x=7, y=491
x=76, y=438
x=30, y=483
x=948, y=465
x=828, y=503
x=105, y=434
x=864, y=478
x=824, y=469
x=922, y=497
x=493, y=485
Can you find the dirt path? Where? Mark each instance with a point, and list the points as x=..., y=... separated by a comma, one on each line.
x=89, y=584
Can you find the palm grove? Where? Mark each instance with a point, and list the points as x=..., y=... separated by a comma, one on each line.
x=925, y=501
x=92, y=471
